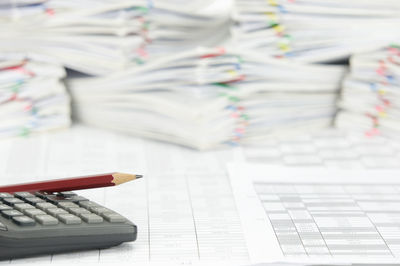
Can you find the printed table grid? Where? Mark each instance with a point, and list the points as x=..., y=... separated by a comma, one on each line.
x=333, y=219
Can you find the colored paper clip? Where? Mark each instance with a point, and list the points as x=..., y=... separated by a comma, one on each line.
x=272, y=2
x=142, y=52
x=220, y=51
x=372, y=132
x=278, y=29
x=272, y=17
x=24, y=132
x=231, y=107
x=15, y=88
x=150, y=4
x=232, y=73
x=282, y=9
x=373, y=87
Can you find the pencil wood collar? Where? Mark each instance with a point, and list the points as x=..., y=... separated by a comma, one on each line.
x=119, y=178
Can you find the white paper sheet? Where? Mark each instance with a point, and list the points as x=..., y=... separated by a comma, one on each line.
x=318, y=215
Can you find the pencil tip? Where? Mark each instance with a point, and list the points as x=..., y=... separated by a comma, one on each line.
x=120, y=178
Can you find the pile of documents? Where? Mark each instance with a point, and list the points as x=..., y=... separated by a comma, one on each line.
x=97, y=37
x=370, y=99
x=315, y=30
x=207, y=97
x=32, y=96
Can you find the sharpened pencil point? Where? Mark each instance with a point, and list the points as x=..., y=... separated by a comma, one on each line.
x=120, y=178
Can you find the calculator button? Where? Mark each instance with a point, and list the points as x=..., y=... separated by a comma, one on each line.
x=23, y=220
x=69, y=219
x=91, y=218
x=67, y=205
x=99, y=210
x=56, y=211
x=87, y=204
x=33, y=212
x=5, y=195
x=23, y=195
x=46, y=219
x=114, y=217
x=45, y=205
x=3, y=227
x=10, y=213
x=68, y=194
x=42, y=195
x=4, y=207
x=78, y=199
x=23, y=206
x=78, y=211
x=56, y=199
x=34, y=200
x=12, y=201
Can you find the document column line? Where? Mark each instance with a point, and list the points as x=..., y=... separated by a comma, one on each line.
x=148, y=215
x=194, y=220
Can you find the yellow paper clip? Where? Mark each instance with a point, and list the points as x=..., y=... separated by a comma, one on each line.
x=382, y=114
x=272, y=2
x=232, y=72
x=272, y=16
x=278, y=29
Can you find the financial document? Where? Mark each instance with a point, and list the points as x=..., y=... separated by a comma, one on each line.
x=183, y=207
x=318, y=215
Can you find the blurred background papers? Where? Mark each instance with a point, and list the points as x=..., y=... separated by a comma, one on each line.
x=207, y=97
x=315, y=31
x=32, y=96
x=97, y=37
x=204, y=74
x=370, y=99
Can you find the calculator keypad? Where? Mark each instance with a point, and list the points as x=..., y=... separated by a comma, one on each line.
x=26, y=209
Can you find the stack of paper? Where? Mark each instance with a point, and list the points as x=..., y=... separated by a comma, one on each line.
x=371, y=93
x=206, y=97
x=100, y=36
x=32, y=96
x=315, y=30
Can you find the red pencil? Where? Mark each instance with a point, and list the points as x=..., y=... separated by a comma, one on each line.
x=75, y=183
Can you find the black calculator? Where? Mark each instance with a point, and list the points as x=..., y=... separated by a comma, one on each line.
x=47, y=223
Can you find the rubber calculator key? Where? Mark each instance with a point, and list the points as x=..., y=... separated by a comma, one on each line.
x=56, y=211
x=23, y=206
x=10, y=213
x=45, y=205
x=67, y=194
x=78, y=211
x=66, y=205
x=3, y=227
x=5, y=195
x=91, y=218
x=69, y=219
x=99, y=210
x=4, y=207
x=23, y=220
x=88, y=204
x=114, y=217
x=33, y=212
x=23, y=195
x=12, y=201
x=46, y=219
x=34, y=200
